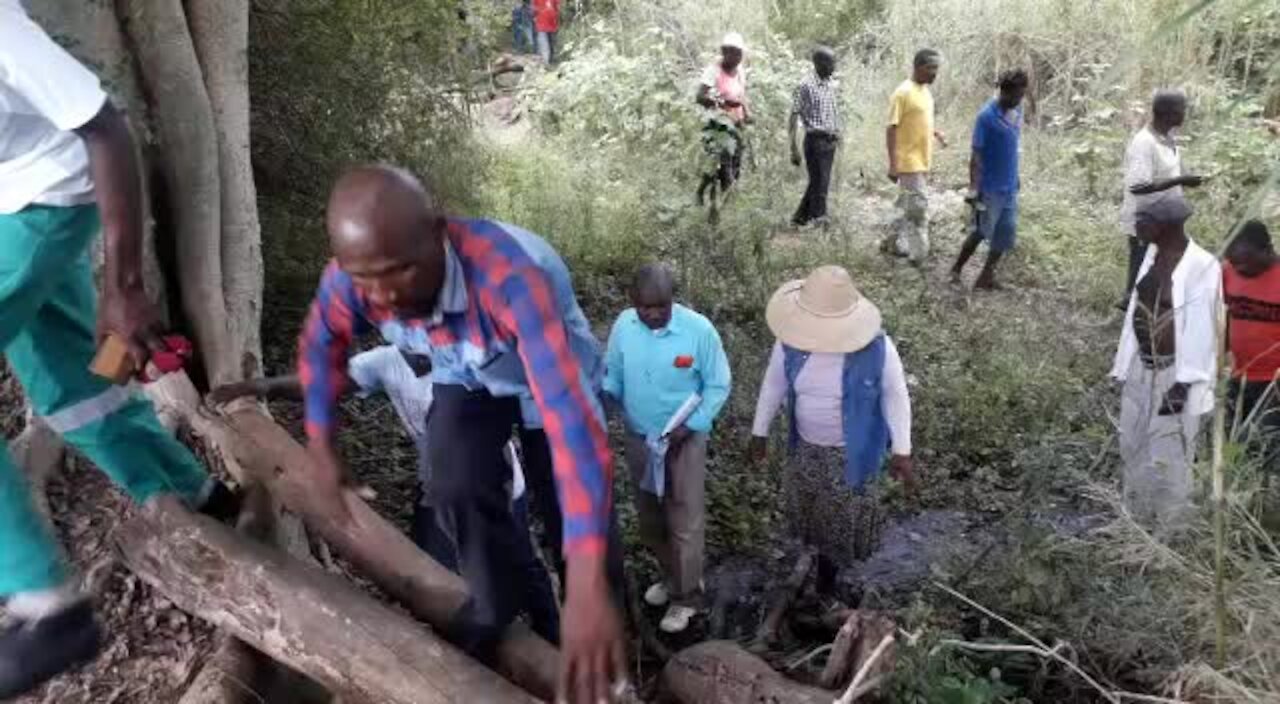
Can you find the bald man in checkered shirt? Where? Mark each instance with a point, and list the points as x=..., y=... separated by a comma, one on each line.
x=814, y=104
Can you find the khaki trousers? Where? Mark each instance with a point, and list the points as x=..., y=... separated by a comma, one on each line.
x=674, y=526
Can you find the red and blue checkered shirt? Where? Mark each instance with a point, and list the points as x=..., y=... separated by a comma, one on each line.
x=507, y=321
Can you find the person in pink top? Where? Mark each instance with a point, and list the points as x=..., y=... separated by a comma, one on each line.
x=722, y=90
x=546, y=22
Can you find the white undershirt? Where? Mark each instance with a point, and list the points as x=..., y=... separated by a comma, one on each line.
x=820, y=398
x=385, y=369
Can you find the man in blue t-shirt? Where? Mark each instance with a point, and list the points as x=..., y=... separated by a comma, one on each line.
x=993, y=178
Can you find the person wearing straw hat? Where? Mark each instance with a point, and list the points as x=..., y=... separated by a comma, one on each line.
x=842, y=382
x=666, y=367
x=1167, y=360
x=722, y=89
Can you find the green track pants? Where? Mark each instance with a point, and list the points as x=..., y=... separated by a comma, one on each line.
x=47, y=321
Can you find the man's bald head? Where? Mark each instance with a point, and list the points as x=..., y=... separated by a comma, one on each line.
x=387, y=229
x=379, y=206
x=653, y=290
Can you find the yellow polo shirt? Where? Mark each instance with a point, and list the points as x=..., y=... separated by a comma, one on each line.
x=911, y=111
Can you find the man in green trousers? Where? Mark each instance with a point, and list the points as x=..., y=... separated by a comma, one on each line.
x=67, y=170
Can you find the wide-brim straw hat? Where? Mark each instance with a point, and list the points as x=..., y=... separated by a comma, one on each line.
x=823, y=313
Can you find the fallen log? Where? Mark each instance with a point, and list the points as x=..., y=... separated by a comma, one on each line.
x=854, y=645
x=237, y=673
x=299, y=615
x=841, y=658
x=379, y=550
x=256, y=449
x=721, y=672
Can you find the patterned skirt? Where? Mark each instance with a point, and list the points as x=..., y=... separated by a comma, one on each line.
x=823, y=512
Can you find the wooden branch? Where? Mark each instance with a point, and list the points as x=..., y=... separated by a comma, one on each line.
x=841, y=659
x=783, y=597
x=298, y=615
x=853, y=693
x=721, y=672
x=376, y=548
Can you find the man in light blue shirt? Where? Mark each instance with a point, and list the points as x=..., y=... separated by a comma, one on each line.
x=666, y=368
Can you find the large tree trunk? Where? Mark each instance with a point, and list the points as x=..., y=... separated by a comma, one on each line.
x=189, y=154
x=299, y=615
x=221, y=34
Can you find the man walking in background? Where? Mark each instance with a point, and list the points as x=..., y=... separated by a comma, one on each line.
x=522, y=39
x=405, y=379
x=1168, y=361
x=1251, y=288
x=1152, y=166
x=67, y=169
x=546, y=21
x=994, y=180
x=493, y=307
x=722, y=89
x=814, y=104
x=667, y=368
x=909, y=142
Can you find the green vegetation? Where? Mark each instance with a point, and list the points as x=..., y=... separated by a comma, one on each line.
x=1012, y=403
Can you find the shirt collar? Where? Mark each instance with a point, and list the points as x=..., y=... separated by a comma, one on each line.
x=453, y=290
x=675, y=326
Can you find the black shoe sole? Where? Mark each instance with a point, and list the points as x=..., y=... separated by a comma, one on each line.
x=71, y=656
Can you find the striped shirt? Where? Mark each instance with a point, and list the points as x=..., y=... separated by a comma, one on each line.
x=815, y=102
x=506, y=321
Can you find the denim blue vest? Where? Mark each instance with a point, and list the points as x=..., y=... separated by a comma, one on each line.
x=866, y=432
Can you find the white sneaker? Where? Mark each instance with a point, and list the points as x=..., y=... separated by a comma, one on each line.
x=657, y=595
x=677, y=619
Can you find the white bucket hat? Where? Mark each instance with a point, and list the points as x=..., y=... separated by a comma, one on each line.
x=734, y=40
x=823, y=313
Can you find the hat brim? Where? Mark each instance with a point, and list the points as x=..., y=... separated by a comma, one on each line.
x=809, y=332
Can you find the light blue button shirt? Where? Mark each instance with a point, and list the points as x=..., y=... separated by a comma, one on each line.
x=645, y=370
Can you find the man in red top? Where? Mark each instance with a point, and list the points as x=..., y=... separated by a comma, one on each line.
x=1251, y=286
x=546, y=20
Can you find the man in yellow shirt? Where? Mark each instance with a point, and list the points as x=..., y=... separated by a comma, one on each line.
x=909, y=141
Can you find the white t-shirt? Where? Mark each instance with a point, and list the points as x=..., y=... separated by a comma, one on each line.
x=1148, y=158
x=44, y=94
x=384, y=369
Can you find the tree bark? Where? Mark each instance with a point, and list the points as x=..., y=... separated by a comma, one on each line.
x=721, y=672
x=299, y=615
x=220, y=31
x=378, y=549
x=188, y=155
x=236, y=673
x=91, y=31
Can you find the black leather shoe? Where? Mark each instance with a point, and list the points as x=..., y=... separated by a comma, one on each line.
x=223, y=504
x=34, y=651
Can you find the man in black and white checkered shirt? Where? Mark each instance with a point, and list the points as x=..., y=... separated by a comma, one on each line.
x=814, y=104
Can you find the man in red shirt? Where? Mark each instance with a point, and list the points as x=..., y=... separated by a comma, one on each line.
x=546, y=21
x=1251, y=287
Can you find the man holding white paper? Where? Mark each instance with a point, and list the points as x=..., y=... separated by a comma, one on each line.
x=667, y=368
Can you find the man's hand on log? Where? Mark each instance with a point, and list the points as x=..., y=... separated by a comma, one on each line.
x=593, y=666
x=328, y=480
